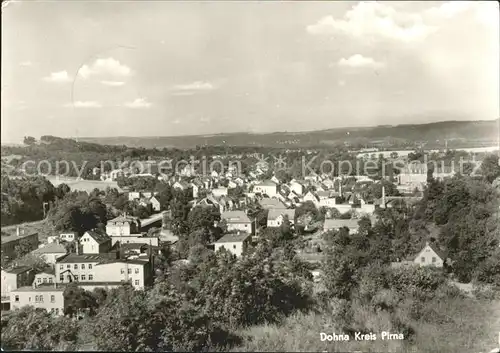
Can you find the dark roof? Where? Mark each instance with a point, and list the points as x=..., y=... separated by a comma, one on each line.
x=123, y=219
x=438, y=251
x=17, y=270
x=100, y=238
x=232, y=238
x=13, y=237
x=91, y=258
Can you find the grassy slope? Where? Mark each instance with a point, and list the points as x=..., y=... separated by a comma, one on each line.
x=466, y=324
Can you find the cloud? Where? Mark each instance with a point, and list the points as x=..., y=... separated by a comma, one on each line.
x=26, y=63
x=449, y=9
x=102, y=67
x=113, y=83
x=194, y=87
x=368, y=19
x=84, y=104
x=60, y=76
x=358, y=61
x=138, y=103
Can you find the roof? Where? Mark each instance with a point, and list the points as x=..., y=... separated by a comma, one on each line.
x=94, y=258
x=266, y=183
x=434, y=248
x=339, y=223
x=233, y=238
x=13, y=237
x=128, y=261
x=100, y=238
x=324, y=193
x=235, y=217
x=123, y=219
x=17, y=270
x=52, y=248
x=269, y=202
x=276, y=212
x=48, y=288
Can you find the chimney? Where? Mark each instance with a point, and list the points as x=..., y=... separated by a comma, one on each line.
x=383, y=196
x=18, y=233
x=340, y=187
x=77, y=247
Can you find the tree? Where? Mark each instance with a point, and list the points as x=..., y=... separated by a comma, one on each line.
x=35, y=329
x=490, y=168
x=202, y=218
x=77, y=300
x=23, y=248
x=29, y=140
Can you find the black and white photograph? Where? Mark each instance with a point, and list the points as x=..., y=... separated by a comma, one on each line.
x=250, y=176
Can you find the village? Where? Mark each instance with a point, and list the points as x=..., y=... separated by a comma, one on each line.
x=125, y=251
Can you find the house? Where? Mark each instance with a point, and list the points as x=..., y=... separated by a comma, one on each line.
x=135, y=195
x=297, y=187
x=196, y=187
x=155, y=203
x=68, y=236
x=103, y=270
x=44, y=278
x=220, y=191
x=50, y=298
x=210, y=201
x=335, y=224
x=51, y=252
x=123, y=225
x=94, y=242
x=237, y=221
x=13, y=278
x=181, y=185
x=10, y=242
x=312, y=198
x=234, y=243
x=266, y=187
x=268, y=203
x=430, y=255
x=276, y=217
x=135, y=239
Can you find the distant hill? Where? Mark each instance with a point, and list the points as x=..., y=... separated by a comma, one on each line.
x=464, y=133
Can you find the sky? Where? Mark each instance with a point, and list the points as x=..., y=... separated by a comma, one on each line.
x=165, y=68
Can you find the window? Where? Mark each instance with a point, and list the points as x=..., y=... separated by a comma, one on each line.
x=41, y=298
x=52, y=298
x=61, y=267
x=68, y=266
x=122, y=271
x=75, y=266
x=83, y=266
x=39, y=280
x=29, y=299
x=76, y=277
x=61, y=278
x=136, y=282
x=422, y=259
x=136, y=270
x=45, y=280
x=50, y=280
x=129, y=271
x=36, y=298
x=90, y=266
x=433, y=259
x=91, y=277
x=83, y=277
x=57, y=311
x=234, y=246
